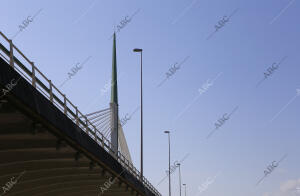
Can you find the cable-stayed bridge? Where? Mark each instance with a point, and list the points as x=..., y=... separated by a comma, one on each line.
x=48, y=147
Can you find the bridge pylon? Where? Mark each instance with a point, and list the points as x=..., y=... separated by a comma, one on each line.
x=114, y=100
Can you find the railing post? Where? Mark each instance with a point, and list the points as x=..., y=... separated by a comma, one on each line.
x=86, y=125
x=33, y=75
x=102, y=140
x=51, y=92
x=95, y=133
x=77, y=122
x=11, y=53
x=65, y=105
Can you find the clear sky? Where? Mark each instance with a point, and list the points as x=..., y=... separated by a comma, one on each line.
x=264, y=123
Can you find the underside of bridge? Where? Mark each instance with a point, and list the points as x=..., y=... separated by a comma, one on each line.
x=45, y=153
x=45, y=164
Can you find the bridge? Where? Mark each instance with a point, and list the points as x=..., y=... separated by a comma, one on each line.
x=48, y=147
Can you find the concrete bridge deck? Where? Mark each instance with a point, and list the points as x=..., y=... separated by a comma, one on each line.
x=52, y=154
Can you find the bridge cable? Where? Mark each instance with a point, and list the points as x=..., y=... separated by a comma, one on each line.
x=99, y=115
x=100, y=128
x=97, y=112
x=102, y=121
x=99, y=118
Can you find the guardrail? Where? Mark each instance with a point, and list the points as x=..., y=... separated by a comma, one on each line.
x=65, y=105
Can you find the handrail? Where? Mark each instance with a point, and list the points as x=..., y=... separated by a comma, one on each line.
x=64, y=105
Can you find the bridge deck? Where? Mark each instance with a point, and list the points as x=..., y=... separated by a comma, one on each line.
x=54, y=155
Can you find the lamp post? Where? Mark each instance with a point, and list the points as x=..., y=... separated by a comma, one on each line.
x=168, y=132
x=178, y=164
x=184, y=188
x=141, y=51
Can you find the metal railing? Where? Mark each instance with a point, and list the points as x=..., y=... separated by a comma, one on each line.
x=65, y=105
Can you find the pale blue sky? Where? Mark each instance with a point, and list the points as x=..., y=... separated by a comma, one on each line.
x=260, y=33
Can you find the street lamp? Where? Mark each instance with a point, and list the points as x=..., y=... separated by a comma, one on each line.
x=184, y=188
x=168, y=132
x=141, y=51
x=178, y=164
